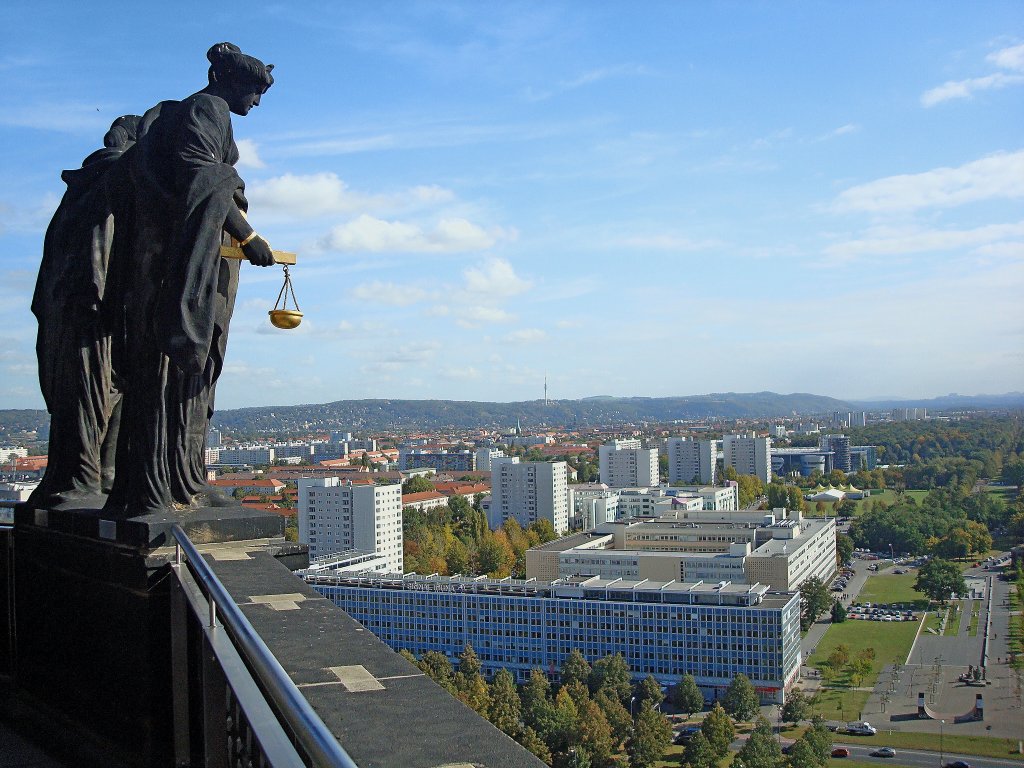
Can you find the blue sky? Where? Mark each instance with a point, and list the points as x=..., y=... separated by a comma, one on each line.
x=652, y=198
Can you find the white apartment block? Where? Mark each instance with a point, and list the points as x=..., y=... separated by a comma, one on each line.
x=529, y=491
x=749, y=455
x=689, y=459
x=623, y=463
x=485, y=458
x=716, y=498
x=247, y=454
x=335, y=516
x=591, y=504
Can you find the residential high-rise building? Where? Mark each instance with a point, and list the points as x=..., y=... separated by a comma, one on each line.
x=749, y=455
x=689, y=459
x=528, y=492
x=336, y=516
x=624, y=464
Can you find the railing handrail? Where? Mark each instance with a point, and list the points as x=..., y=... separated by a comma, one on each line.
x=319, y=743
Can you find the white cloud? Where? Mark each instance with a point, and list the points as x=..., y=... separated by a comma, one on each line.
x=997, y=176
x=248, y=154
x=1011, y=58
x=525, y=336
x=963, y=89
x=494, y=278
x=389, y=293
x=474, y=316
x=318, y=194
x=1008, y=58
x=451, y=235
x=890, y=243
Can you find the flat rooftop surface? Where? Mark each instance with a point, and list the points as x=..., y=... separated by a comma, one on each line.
x=383, y=710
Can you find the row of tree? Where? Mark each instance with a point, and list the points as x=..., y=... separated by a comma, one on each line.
x=596, y=713
x=455, y=538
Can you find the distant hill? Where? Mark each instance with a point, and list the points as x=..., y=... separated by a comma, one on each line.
x=380, y=415
x=950, y=402
x=373, y=415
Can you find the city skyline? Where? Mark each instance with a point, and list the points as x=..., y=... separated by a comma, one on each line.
x=680, y=198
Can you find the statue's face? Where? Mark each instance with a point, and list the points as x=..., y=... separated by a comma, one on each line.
x=244, y=96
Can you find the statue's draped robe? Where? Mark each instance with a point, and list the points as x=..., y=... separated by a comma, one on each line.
x=74, y=341
x=177, y=295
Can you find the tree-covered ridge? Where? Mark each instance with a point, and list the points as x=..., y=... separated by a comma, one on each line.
x=426, y=414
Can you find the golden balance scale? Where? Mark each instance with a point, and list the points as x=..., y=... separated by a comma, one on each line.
x=280, y=316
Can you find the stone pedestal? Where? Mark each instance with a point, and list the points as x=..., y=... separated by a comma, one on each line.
x=92, y=623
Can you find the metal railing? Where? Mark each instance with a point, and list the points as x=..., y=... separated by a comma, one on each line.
x=225, y=715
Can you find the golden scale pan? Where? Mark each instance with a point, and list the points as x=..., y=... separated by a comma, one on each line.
x=280, y=316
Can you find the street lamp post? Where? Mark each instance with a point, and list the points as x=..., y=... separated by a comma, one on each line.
x=942, y=725
x=892, y=555
x=632, y=700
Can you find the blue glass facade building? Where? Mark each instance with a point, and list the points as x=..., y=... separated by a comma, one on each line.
x=664, y=629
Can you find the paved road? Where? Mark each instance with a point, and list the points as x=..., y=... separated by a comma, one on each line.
x=919, y=758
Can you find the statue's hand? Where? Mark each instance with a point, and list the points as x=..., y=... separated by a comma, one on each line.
x=258, y=252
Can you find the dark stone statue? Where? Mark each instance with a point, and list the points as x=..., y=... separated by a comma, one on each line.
x=134, y=299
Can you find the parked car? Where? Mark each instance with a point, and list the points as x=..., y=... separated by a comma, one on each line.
x=884, y=752
x=958, y=764
x=840, y=752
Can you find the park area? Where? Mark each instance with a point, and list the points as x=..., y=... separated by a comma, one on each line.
x=844, y=697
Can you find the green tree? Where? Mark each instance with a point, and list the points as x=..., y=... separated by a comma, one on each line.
x=838, y=613
x=838, y=658
x=649, y=689
x=417, y=484
x=505, y=709
x=576, y=669
x=844, y=548
x=814, y=599
x=740, y=699
x=534, y=696
x=820, y=739
x=594, y=734
x=686, y=696
x=532, y=741
x=718, y=730
x=699, y=752
x=796, y=708
x=761, y=750
x=437, y=667
x=612, y=673
x=802, y=755
x=651, y=736
x=618, y=717
x=940, y=580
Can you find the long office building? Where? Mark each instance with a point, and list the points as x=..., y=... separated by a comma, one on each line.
x=692, y=459
x=779, y=548
x=666, y=629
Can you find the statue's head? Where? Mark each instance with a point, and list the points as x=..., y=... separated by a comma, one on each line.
x=238, y=78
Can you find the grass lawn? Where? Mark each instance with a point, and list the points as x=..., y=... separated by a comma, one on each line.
x=891, y=642
x=953, y=625
x=890, y=588
x=987, y=746
x=972, y=630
